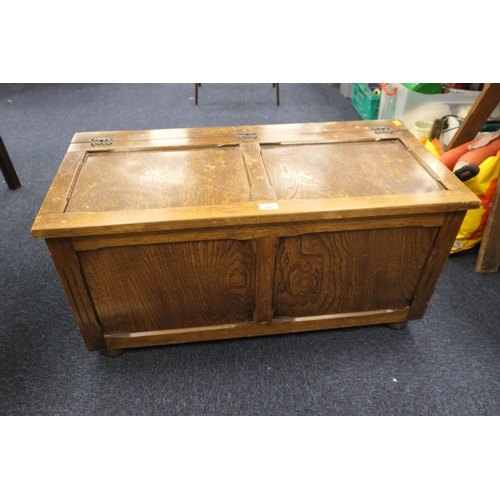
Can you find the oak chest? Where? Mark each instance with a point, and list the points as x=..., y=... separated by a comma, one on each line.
x=181, y=235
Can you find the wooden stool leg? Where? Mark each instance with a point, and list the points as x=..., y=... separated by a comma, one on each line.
x=277, y=85
x=196, y=85
x=7, y=168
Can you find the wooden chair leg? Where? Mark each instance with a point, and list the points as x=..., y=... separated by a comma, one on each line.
x=7, y=168
x=196, y=85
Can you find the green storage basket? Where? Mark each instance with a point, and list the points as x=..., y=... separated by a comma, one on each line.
x=365, y=102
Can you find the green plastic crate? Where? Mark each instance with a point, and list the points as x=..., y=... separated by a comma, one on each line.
x=365, y=102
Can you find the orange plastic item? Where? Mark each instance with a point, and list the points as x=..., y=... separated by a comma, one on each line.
x=451, y=157
x=476, y=156
x=438, y=145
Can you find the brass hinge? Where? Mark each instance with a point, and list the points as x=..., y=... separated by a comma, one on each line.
x=246, y=135
x=101, y=141
x=383, y=130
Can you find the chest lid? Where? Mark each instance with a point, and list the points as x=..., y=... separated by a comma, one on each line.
x=119, y=182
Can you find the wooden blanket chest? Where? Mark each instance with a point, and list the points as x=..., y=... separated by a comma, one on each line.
x=181, y=235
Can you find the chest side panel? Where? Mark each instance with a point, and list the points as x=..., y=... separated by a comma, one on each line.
x=166, y=286
x=342, y=272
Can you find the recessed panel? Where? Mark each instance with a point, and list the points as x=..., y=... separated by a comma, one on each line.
x=168, y=286
x=333, y=273
x=141, y=180
x=344, y=170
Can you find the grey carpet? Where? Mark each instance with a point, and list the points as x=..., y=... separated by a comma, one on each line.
x=446, y=364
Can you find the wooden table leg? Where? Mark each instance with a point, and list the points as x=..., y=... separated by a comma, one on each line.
x=7, y=168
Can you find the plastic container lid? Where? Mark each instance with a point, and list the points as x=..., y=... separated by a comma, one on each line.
x=424, y=88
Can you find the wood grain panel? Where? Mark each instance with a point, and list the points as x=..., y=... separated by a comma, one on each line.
x=68, y=268
x=265, y=255
x=297, y=132
x=438, y=256
x=257, y=174
x=345, y=170
x=165, y=286
x=141, y=180
x=257, y=232
x=249, y=213
x=334, y=273
x=59, y=192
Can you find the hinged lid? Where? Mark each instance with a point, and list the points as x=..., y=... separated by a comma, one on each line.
x=124, y=182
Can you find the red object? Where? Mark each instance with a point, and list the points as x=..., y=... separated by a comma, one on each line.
x=384, y=87
x=458, y=86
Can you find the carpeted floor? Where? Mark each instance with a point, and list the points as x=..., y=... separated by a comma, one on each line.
x=446, y=364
